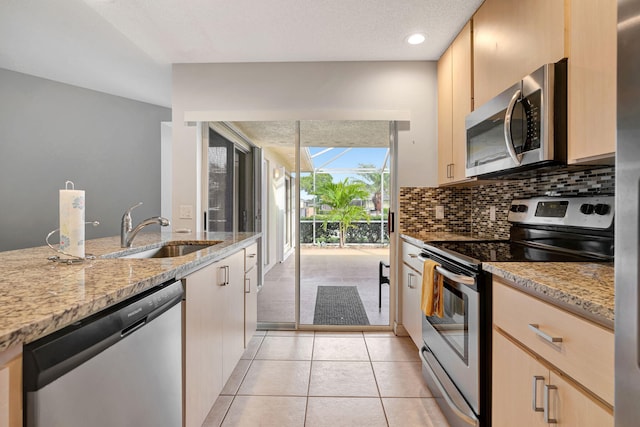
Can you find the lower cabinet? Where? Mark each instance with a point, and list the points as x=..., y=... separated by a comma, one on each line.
x=411, y=294
x=527, y=393
x=411, y=284
x=213, y=333
x=250, y=292
x=549, y=367
x=11, y=387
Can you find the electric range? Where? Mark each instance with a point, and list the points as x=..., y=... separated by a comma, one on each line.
x=456, y=354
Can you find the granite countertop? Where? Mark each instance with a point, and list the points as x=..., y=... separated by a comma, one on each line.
x=38, y=296
x=585, y=289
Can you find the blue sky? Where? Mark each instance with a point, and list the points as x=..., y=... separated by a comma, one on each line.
x=351, y=159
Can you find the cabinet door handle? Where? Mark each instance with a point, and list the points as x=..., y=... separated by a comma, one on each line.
x=251, y=255
x=452, y=166
x=410, y=281
x=247, y=280
x=413, y=255
x=535, y=328
x=225, y=268
x=547, y=404
x=534, y=393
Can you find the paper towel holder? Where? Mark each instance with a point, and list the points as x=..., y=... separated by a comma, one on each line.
x=74, y=259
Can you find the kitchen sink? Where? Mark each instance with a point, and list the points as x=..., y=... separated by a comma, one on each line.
x=172, y=249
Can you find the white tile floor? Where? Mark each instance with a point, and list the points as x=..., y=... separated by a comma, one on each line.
x=331, y=379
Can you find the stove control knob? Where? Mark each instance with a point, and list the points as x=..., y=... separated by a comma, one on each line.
x=522, y=208
x=602, y=209
x=586, y=208
x=514, y=208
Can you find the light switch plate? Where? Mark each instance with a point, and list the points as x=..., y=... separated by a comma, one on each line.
x=186, y=212
x=439, y=212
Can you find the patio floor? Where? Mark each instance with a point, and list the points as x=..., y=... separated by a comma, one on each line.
x=324, y=266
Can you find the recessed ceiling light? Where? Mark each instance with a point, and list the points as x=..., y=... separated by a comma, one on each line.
x=416, y=38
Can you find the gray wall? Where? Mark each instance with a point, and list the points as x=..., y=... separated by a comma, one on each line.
x=52, y=132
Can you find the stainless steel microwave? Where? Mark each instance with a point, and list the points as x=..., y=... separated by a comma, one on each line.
x=523, y=128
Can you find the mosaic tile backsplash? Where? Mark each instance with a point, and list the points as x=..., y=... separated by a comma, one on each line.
x=466, y=209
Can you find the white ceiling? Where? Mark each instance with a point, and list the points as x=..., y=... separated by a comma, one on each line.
x=126, y=47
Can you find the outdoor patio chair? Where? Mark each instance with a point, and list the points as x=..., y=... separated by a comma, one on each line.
x=381, y=280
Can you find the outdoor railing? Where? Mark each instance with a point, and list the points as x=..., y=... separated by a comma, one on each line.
x=361, y=232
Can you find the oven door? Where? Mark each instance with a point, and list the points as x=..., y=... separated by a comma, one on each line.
x=451, y=352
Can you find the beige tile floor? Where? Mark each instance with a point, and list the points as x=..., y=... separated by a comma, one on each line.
x=333, y=379
x=351, y=266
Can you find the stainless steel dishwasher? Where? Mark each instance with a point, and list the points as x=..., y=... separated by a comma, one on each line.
x=120, y=367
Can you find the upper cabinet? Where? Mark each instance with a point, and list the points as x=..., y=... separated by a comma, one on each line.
x=513, y=38
x=454, y=103
x=592, y=56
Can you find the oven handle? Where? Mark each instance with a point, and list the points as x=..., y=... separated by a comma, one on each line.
x=458, y=278
x=431, y=365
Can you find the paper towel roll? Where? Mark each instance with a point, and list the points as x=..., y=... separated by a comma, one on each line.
x=72, y=221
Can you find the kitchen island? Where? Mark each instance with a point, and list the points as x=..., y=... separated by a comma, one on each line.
x=38, y=296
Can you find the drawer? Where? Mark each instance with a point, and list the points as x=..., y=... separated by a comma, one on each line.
x=250, y=257
x=410, y=255
x=586, y=352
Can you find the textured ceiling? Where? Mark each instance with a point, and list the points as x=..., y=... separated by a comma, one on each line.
x=179, y=31
x=126, y=47
x=318, y=133
x=279, y=137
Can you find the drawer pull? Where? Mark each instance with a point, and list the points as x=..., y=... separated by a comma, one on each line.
x=547, y=404
x=413, y=255
x=410, y=283
x=251, y=255
x=534, y=394
x=534, y=327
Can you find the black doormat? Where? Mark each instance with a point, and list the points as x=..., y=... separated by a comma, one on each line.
x=339, y=305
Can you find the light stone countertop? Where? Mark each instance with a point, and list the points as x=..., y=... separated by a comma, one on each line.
x=585, y=289
x=38, y=296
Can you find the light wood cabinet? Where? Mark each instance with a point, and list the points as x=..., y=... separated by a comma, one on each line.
x=586, y=350
x=513, y=375
x=517, y=375
x=250, y=292
x=213, y=333
x=202, y=334
x=569, y=379
x=454, y=103
x=445, y=110
x=233, y=315
x=513, y=38
x=11, y=387
x=592, y=31
x=412, y=292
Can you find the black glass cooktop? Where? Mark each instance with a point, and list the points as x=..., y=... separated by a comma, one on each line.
x=475, y=252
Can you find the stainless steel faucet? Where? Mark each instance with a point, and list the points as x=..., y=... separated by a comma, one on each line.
x=128, y=233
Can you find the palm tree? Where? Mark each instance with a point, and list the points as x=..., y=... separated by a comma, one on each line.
x=339, y=196
x=373, y=182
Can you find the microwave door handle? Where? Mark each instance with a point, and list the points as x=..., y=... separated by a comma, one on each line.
x=508, y=139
